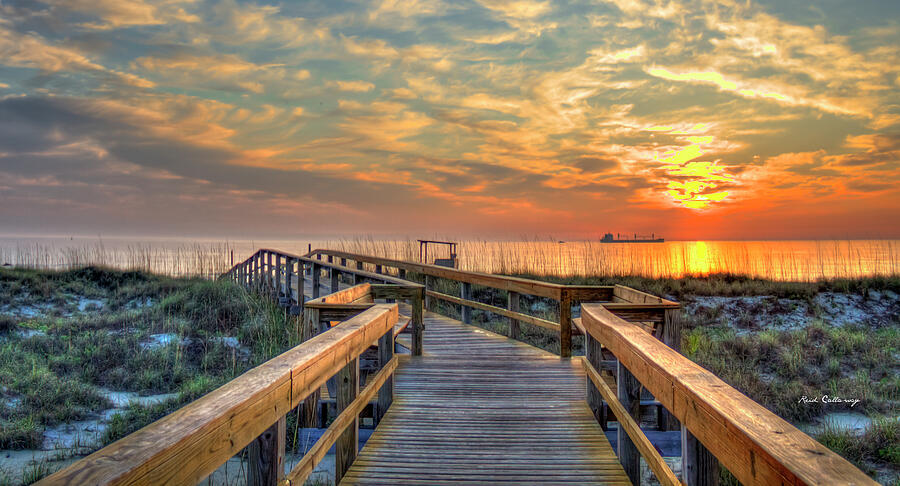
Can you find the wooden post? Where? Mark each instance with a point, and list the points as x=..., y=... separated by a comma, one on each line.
x=593, y=354
x=301, y=283
x=316, y=275
x=629, y=391
x=671, y=337
x=428, y=286
x=266, y=461
x=699, y=467
x=279, y=272
x=512, y=303
x=386, y=394
x=418, y=322
x=565, y=326
x=309, y=418
x=465, y=292
x=252, y=278
x=289, y=281
x=348, y=443
x=257, y=270
x=335, y=280
x=270, y=272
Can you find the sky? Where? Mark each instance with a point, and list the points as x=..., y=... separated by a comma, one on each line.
x=691, y=119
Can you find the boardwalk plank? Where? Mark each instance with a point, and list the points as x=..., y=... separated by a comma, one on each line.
x=480, y=408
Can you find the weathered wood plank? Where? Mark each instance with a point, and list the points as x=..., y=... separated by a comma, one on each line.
x=386, y=394
x=565, y=326
x=266, y=454
x=699, y=466
x=348, y=441
x=473, y=417
x=512, y=305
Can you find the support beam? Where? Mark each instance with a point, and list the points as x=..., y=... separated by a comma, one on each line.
x=465, y=292
x=594, y=356
x=335, y=280
x=699, y=467
x=565, y=326
x=429, y=285
x=671, y=337
x=266, y=461
x=348, y=444
x=386, y=394
x=309, y=417
x=289, y=281
x=418, y=322
x=629, y=391
x=270, y=275
x=512, y=304
x=301, y=284
x=316, y=279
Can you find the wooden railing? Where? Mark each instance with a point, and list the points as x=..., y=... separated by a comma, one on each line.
x=626, y=302
x=192, y=442
x=279, y=273
x=719, y=424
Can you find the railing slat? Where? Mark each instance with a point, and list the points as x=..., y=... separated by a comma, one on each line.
x=317, y=452
x=348, y=441
x=629, y=398
x=512, y=305
x=699, y=466
x=266, y=456
x=660, y=469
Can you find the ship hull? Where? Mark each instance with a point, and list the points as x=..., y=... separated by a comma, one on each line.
x=658, y=240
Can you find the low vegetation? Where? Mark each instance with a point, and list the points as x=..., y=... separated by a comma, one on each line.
x=80, y=345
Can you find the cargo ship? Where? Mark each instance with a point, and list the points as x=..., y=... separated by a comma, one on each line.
x=608, y=238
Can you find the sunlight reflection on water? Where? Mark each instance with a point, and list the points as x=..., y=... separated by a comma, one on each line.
x=778, y=260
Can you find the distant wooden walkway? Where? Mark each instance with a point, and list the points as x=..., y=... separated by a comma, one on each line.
x=480, y=408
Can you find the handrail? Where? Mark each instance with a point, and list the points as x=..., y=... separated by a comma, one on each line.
x=515, y=284
x=190, y=443
x=627, y=302
x=259, y=271
x=756, y=445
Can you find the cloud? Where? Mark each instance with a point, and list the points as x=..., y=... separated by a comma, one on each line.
x=227, y=71
x=529, y=114
x=354, y=86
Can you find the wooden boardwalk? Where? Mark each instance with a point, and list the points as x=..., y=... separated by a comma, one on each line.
x=479, y=408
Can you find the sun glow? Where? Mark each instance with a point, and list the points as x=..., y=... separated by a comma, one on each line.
x=694, y=179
